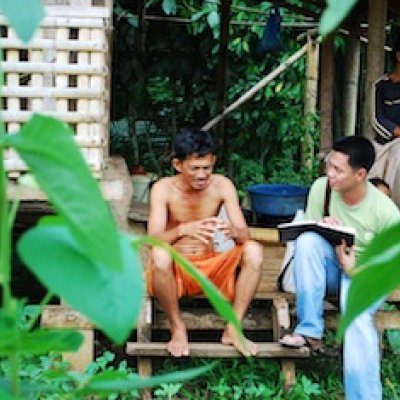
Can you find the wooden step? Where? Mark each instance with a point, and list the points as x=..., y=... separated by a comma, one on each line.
x=216, y=350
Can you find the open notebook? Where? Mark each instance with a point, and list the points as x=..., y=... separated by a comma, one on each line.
x=334, y=234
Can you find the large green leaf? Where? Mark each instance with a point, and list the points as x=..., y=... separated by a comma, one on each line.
x=334, y=14
x=23, y=15
x=378, y=275
x=5, y=394
x=110, y=298
x=219, y=302
x=42, y=341
x=48, y=148
x=109, y=382
x=39, y=341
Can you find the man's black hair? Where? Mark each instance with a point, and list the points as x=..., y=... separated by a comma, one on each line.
x=359, y=149
x=395, y=49
x=192, y=141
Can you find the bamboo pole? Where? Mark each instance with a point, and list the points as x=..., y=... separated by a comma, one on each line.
x=326, y=94
x=251, y=92
x=310, y=101
x=377, y=15
x=352, y=74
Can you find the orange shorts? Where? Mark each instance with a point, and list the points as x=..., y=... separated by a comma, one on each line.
x=219, y=268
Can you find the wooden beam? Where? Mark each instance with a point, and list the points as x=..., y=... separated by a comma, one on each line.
x=264, y=235
x=216, y=350
x=326, y=94
x=310, y=100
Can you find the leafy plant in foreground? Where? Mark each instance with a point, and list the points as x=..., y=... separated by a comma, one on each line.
x=78, y=254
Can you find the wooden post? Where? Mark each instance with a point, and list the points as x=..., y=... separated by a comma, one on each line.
x=225, y=9
x=144, y=326
x=288, y=368
x=377, y=14
x=352, y=74
x=326, y=94
x=310, y=101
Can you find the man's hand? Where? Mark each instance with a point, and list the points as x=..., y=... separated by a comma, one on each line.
x=346, y=256
x=202, y=230
x=332, y=221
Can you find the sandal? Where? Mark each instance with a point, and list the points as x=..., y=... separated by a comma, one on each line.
x=297, y=341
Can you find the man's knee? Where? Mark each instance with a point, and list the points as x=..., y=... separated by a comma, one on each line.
x=161, y=259
x=253, y=254
x=307, y=239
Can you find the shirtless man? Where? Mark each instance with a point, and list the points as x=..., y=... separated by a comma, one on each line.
x=183, y=213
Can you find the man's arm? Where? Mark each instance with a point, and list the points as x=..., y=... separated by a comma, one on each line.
x=382, y=125
x=237, y=228
x=158, y=215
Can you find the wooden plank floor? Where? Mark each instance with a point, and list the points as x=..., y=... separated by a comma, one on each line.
x=216, y=350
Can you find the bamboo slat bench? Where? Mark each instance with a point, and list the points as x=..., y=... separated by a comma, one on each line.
x=268, y=314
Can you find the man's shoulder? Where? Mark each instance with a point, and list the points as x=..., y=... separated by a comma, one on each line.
x=221, y=187
x=164, y=183
x=384, y=206
x=319, y=183
x=382, y=80
x=221, y=180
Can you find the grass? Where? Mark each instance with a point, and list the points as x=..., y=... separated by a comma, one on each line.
x=318, y=377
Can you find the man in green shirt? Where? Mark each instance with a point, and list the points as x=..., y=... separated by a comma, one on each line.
x=320, y=269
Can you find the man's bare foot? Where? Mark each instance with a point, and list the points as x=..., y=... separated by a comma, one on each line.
x=178, y=346
x=243, y=345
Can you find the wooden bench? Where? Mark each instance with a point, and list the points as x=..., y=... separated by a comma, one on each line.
x=270, y=314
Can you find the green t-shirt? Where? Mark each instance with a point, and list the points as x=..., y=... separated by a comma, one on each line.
x=375, y=213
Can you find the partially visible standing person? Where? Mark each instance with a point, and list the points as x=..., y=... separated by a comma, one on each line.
x=381, y=185
x=386, y=122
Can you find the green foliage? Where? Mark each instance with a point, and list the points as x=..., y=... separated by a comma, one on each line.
x=379, y=263
x=245, y=173
x=122, y=143
x=55, y=256
x=175, y=81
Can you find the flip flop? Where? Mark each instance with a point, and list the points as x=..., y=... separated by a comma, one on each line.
x=297, y=341
x=293, y=340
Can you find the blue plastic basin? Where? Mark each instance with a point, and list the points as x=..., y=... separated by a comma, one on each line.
x=277, y=199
